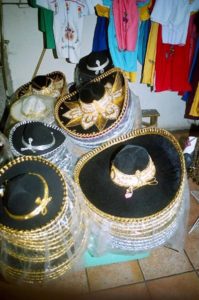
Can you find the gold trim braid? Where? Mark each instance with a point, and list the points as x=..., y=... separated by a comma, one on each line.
x=41, y=202
x=177, y=199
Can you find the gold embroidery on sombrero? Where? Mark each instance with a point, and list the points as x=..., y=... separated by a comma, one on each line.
x=136, y=180
x=98, y=112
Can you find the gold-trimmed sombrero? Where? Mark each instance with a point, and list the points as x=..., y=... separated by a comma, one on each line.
x=39, y=210
x=133, y=187
x=88, y=119
x=52, y=84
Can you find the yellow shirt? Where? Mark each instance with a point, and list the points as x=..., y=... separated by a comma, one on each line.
x=149, y=64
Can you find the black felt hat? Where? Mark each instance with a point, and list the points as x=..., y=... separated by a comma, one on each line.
x=151, y=159
x=96, y=108
x=33, y=194
x=92, y=65
x=36, y=138
x=52, y=84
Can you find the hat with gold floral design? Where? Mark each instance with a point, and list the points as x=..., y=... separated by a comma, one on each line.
x=95, y=109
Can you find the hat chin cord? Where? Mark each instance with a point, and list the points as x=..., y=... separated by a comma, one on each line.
x=41, y=202
x=136, y=180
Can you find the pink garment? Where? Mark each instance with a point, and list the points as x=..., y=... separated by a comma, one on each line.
x=126, y=20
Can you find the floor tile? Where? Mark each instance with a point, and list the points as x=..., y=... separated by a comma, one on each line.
x=179, y=287
x=192, y=247
x=64, y=288
x=164, y=262
x=109, y=276
x=193, y=213
x=136, y=291
x=75, y=282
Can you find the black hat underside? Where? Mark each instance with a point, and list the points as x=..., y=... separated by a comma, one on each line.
x=102, y=193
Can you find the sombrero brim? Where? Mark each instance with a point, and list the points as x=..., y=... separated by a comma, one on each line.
x=77, y=131
x=16, y=133
x=56, y=189
x=16, y=112
x=59, y=82
x=92, y=174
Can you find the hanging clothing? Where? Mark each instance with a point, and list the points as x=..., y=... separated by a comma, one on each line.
x=194, y=49
x=192, y=103
x=144, y=11
x=126, y=21
x=100, y=38
x=174, y=16
x=149, y=63
x=45, y=24
x=172, y=66
x=143, y=39
x=194, y=111
x=68, y=25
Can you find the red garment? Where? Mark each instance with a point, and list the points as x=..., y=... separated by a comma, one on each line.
x=172, y=66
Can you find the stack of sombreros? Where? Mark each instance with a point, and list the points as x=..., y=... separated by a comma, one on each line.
x=52, y=84
x=5, y=150
x=133, y=188
x=30, y=107
x=38, y=138
x=100, y=110
x=43, y=229
x=35, y=100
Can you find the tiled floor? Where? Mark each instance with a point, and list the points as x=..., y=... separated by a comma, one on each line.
x=164, y=274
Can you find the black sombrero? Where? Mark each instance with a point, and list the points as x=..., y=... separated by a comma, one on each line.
x=134, y=178
x=36, y=138
x=92, y=65
x=52, y=84
x=33, y=194
x=96, y=108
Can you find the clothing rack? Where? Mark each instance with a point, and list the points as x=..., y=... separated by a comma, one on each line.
x=21, y=4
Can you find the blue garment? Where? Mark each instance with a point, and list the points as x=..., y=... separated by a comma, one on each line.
x=143, y=39
x=186, y=95
x=100, y=39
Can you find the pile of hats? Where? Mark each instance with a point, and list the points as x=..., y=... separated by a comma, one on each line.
x=5, y=150
x=100, y=110
x=35, y=100
x=52, y=84
x=43, y=228
x=135, y=200
x=38, y=138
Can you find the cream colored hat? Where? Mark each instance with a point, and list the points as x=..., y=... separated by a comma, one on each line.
x=33, y=107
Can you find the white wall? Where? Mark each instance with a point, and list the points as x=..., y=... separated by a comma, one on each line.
x=25, y=47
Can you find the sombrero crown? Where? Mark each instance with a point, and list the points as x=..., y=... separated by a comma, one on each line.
x=92, y=65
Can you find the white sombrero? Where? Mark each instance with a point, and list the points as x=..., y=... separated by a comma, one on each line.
x=33, y=107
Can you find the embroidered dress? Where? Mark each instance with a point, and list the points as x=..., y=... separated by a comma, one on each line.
x=172, y=66
x=68, y=25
